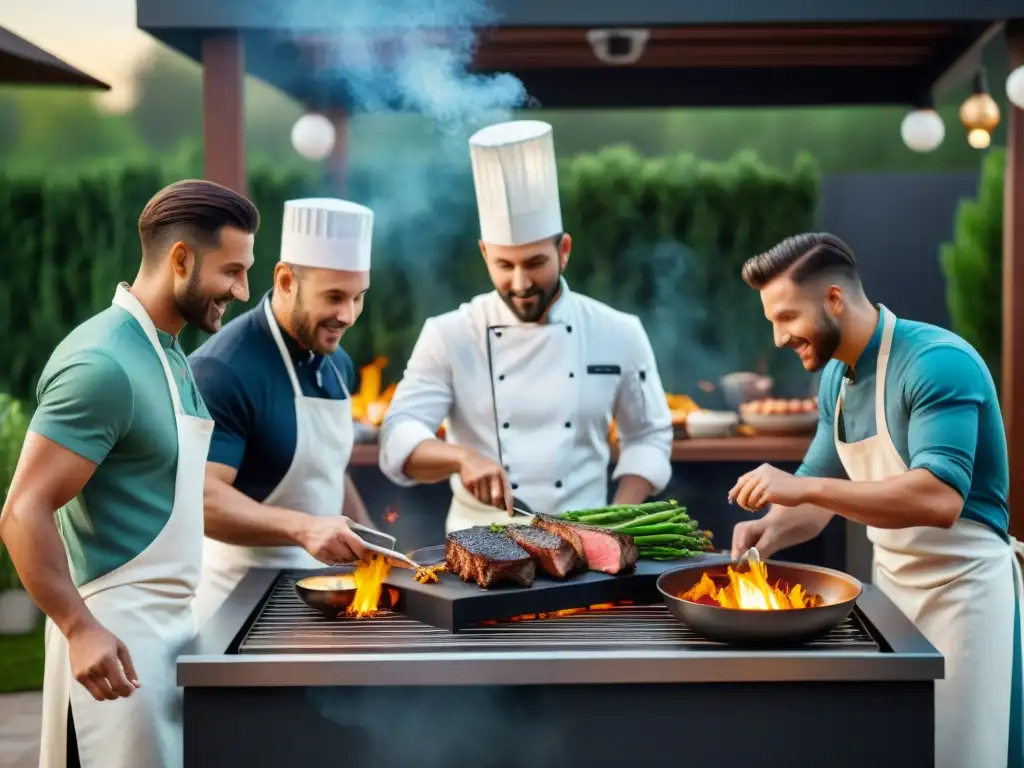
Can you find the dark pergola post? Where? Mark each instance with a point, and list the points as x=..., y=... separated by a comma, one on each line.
x=224, y=110
x=1013, y=286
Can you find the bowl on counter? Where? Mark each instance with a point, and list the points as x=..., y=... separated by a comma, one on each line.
x=707, y=424
x=781, y=416
x=743, y=386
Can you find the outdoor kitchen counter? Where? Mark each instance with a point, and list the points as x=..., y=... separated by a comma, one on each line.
x=268, y=682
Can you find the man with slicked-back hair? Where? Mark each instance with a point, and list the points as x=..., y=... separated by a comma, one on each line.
x=910, y=443
x=104, y=518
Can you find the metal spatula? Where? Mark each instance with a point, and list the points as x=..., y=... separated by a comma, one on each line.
x=751, y=557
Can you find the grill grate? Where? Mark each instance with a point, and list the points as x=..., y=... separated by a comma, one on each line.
x=287, y=625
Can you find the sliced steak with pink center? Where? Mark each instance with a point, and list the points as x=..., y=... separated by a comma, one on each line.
x=602, y=550
x=552, y=553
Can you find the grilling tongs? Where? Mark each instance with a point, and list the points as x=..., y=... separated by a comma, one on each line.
x=387, y=551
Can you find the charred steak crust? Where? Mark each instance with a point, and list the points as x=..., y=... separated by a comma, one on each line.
x=602, y=550
x=488, y=558
x=552, y=553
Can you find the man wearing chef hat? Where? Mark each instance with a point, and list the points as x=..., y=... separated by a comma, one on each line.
x=277, y=385
x=530, y=375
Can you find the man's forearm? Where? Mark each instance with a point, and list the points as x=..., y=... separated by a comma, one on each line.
x=234, y=518
x=632, y=489
x=354, y=508
x=37, y=551
x=915, y=498
x=433, y=460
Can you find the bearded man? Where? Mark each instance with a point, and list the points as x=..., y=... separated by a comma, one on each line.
x=530, y=375
x=910, y=443
x=278, y=386
x=104, y=518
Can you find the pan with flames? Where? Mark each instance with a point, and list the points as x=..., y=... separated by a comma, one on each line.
x=768, y=603
x=358, y=593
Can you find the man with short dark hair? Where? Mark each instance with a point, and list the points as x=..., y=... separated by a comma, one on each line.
x=528, y=376
x=113, y=465
x=278, y=384
x=910, y=443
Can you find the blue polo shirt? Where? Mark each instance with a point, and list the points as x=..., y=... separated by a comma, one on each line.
x=246, y=387
x=941, y=409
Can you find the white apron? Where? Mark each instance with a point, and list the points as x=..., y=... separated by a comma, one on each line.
x=535, y=414
x=147, y=604
x=314, y=484
x=960, y=588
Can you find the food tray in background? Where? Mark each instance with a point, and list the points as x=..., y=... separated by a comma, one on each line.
x=781, y=416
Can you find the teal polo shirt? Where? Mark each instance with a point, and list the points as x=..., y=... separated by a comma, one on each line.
x=103, y=395
x=941, y=409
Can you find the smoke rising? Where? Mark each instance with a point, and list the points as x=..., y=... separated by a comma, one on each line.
x=403, y=66
x=434, y=727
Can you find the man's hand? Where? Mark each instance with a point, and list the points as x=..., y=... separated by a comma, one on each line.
x=781, y=528
x=331, y=541
x=768, y=485
x=486, y=480
x=100, y=662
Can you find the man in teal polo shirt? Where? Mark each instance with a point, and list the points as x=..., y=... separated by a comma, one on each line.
x=104, y=519
x=910, y=443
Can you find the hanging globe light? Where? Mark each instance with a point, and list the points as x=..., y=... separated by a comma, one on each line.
x=922, y=130
x=979, y=113
x=1015, y=87
x=313, y=136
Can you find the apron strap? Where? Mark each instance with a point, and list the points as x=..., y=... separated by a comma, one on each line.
x=127, y=300
x=884, y=349
x=275, y=331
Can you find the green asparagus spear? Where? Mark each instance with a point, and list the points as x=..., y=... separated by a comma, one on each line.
x=619, y=513
x=669, y=539
x=679, y=529
x=657, y=517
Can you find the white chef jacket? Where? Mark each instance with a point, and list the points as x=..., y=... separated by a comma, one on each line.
x=539, y=398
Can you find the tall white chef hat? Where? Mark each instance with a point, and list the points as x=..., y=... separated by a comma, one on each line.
x=516, y=182
x=327, y=232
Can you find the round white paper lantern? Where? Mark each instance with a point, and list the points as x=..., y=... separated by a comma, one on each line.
x=313, y=136
x=1015, y=87
x=922, y=130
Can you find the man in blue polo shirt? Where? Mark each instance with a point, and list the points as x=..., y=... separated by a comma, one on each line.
x=277, y=386
x=910, y=443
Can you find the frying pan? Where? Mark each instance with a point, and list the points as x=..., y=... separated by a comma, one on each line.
x=333, y=593
x=762, y=628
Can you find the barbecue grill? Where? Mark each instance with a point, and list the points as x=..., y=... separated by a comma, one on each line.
x=269, y=681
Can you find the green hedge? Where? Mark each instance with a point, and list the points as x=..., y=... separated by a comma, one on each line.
x=13, y=426
x=973, y=265
x=662, y=237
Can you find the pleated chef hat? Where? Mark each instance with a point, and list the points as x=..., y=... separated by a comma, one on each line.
x=327, y=232
x=516, y=182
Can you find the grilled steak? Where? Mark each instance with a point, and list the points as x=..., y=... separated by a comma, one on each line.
x=601, y=549
x=488, y=558
x=552, y=553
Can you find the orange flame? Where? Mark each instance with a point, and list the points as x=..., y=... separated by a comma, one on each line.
x=751, y=591
x=369, y=579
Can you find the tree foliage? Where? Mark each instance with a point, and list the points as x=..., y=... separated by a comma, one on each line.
x=973, y=265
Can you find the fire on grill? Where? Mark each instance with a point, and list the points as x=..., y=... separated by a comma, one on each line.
x=595, y=608
x=751, y=591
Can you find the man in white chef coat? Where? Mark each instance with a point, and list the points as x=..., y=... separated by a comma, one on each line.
x=278, y=386
x=529, y=375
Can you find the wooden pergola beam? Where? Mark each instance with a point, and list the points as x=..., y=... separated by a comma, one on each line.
x=1013, y=288
x=224, y=143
